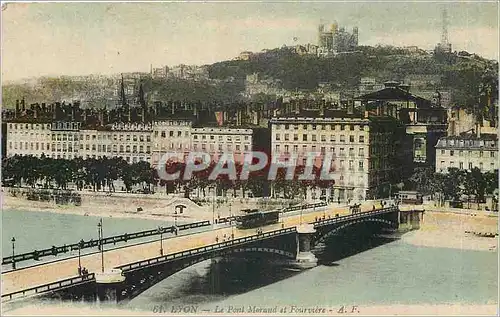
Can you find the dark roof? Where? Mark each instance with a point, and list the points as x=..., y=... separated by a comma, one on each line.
x=472, y=136
x=391, y=94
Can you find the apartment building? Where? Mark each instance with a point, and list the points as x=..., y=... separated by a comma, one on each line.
x=28, y=138
x=170, y=136
x=365, y=151
x=216, y=140
x=467, y=151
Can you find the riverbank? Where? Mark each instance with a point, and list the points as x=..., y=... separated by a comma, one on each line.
x=108, y=206
x=121, y=205
x=443, y=229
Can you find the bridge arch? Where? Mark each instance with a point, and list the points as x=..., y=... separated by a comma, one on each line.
x=157, y=274
x=330, y=233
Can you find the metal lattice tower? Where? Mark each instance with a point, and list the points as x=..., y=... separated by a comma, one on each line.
x=444, y=35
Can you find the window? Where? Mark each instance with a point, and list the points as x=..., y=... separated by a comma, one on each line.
x=163, y=134
x=470, y=165
x=452, y=152
x=332, y=138
x=342, y=138
x=148, y=149
x=481, y=166
x=277, y=147
x=314, y=137
x=351, y=138
x=295, y=148
x=134, y=138
x=286, y=148
x=148, y=138
x=361, y=139
x=342, y=151
x=212, y=137
x=480, y=153
x=360, y=166
x=304, y=137
x=277, y=137
x=295, y=137
x=179, y=133
x=351, y=127
x=171, y=133
x=342, y=127
x=492, y=154
x=351, y=151
x=286, y=136
x=461, y=165
x=361, y=151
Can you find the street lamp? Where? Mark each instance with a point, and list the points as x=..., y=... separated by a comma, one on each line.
x=99, y=228
x=80, y=246
x=13, y=253
x=160, y=230
x=231, y=222
x=213, y=209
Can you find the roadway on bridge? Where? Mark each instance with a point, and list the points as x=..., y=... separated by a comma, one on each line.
x=29, y=277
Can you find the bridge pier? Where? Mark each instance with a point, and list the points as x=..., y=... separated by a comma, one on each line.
x=305, y=258
x=410, y=219
x=109, y=285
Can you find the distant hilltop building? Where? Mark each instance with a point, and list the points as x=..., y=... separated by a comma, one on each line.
x=186, y=72
x=335, y=39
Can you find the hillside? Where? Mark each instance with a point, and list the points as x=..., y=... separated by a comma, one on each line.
x=466, y=76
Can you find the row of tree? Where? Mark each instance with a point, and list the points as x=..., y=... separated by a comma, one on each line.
x=101, y=175
x=455, y=185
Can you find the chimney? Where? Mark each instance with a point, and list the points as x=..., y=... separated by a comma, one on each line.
x=478, y=130
x=350, y=107
x=16, y=114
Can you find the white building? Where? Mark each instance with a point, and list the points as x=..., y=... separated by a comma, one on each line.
x=218, y=140
x=133, y=141
x=170, y=136
x=466, y=152
x=29, y=138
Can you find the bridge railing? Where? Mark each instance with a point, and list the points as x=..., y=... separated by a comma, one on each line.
x=94, y=243
x=58, y=285
x=283, y=210
x=302, y=207
x=208, y=248
x=321, y=222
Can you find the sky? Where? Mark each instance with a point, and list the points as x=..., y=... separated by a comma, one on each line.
x=52, y=39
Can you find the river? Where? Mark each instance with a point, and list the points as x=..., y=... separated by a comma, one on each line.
x=393, y=272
